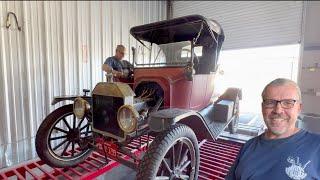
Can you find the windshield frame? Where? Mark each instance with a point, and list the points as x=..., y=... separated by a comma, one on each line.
x=164, y=64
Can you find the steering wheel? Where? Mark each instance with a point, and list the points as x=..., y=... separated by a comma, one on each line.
x=128, y=73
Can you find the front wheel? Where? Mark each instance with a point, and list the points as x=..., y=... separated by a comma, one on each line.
x=62, y=139
x=174, y=154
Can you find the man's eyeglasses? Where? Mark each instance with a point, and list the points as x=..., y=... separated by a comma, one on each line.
x=285, y=103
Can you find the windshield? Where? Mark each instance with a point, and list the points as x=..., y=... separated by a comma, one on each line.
x=171, y=54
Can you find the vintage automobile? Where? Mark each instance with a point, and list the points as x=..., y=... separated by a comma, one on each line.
x=167, y=96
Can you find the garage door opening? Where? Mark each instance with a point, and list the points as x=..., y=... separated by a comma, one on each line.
x=251, y=69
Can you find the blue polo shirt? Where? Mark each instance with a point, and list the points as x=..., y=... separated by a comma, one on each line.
x=296, y=157
x=114, y=63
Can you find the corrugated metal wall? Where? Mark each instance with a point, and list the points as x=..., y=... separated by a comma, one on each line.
x=59, y=51
x=249, y=24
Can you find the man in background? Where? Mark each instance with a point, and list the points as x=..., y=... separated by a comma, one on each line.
x=113, y=64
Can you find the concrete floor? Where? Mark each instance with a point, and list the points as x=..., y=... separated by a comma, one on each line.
x=119, y=173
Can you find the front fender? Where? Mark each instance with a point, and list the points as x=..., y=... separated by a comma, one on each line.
x=57, y=99
x=163, y=119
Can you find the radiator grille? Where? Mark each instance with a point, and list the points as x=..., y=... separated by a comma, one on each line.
x=105, y=110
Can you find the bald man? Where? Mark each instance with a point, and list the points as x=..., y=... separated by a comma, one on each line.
x=283, y=151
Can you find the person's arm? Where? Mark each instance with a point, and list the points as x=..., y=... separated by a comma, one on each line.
x=108, y=69
x=117, y=73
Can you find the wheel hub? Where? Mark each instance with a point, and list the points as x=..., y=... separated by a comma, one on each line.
x=74, y=134
x=176, y=172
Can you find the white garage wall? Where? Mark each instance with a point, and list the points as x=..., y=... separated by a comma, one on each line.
x=249, y=24
x=59, y=51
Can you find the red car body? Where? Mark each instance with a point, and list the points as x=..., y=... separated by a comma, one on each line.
x=178, y=91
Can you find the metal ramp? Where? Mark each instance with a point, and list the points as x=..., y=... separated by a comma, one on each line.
x=216, y=157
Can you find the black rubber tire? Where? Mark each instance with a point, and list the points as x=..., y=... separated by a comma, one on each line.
x=42, y=143
x=151, y=161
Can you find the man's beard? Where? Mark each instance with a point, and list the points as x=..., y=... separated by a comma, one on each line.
x=276, y=118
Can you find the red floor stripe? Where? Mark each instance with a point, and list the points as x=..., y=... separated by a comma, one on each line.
x=224, y=149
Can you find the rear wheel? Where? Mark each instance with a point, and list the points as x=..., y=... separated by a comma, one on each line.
x=174, y=154
x=62, y=139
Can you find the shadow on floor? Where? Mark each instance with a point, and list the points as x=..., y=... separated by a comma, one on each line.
x=119, y=173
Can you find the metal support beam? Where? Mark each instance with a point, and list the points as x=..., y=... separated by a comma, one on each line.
x=169, y=9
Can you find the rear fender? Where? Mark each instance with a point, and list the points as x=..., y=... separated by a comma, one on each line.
x=163, y=119
x=57, y=99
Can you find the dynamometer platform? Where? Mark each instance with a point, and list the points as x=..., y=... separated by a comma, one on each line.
x=216, y=157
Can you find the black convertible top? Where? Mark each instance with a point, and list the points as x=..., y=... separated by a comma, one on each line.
x=184, y=28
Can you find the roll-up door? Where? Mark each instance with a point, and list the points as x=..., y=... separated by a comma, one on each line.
x=250, y=23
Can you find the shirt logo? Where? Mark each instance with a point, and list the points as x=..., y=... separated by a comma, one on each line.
x=296, y=170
